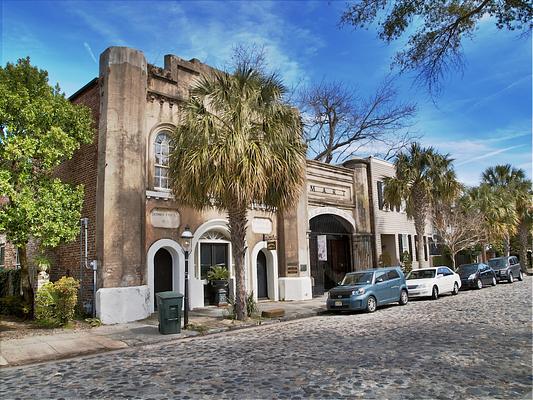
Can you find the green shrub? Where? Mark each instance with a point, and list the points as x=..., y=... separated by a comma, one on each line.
x=94, y=322
x=9, y=282
x=55, y=303
x=13, y=305
x=385, y=260
x=442, y=260
x=218, y=273
x=407, y=262
x=251, y=305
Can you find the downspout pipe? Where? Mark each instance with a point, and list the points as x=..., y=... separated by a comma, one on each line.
x=83, y=243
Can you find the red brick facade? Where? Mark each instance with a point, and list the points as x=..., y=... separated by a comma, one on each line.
x=10, y=254
x=81, y=169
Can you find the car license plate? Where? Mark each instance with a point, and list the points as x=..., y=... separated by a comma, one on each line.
x=338, y=303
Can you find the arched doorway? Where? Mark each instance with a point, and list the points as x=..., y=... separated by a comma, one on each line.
x=331, y=235
x=162, y=272
x=262, y=277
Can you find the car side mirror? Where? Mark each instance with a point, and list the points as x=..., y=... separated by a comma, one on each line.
x=440, y=275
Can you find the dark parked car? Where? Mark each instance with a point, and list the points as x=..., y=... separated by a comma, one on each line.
x=366, y=290
x=476, y=275
x=506, y=268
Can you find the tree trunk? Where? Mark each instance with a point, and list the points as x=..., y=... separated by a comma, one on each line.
x=523, y=233
x=453, y=254
x=483, y=253
x=237, y=227
x=507, y=245
x=419, y=217
x=25, y=280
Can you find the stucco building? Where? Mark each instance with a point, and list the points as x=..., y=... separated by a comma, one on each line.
x=134, y=224
x=393, y=232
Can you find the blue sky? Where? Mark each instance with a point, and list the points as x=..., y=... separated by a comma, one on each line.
x=481, y=118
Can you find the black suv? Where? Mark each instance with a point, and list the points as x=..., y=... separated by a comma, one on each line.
x=506, y=268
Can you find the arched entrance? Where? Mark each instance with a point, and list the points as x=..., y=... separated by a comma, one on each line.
x=162, y=254
x=331, y=236
x=262, y=277
x=263, y=272
x=162, y=271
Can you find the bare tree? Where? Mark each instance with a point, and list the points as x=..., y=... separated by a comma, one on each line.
x=248, y=56
x=459, y=229
x=338, y=122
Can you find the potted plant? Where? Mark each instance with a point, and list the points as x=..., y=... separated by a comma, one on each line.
x=43, y=263
x=218, y=276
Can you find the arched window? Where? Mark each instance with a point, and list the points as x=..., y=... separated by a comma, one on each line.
x=162, y=150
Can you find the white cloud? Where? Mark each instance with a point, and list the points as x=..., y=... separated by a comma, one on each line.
x=487, y=155
x=209, y=31
x=89, y=50
x=96, y=23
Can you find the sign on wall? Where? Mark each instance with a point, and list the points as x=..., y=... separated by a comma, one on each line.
x=322, y=248
x=164, y=218
x=262, y=225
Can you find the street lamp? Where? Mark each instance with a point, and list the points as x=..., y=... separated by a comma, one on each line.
x=186, y=238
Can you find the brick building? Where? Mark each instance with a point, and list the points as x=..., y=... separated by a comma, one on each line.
x=134, y=224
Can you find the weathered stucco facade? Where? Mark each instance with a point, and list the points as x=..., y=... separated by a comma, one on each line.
x=135, y=224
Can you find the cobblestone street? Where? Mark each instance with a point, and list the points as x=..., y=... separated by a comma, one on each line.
x=477, y=344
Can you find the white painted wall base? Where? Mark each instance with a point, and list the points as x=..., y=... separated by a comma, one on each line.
x=295, y=288
x=196, y=293
x=123, y=304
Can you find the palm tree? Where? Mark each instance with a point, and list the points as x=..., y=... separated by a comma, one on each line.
x=423, y=179
x=238, y=143
x=524, y=207
x=498, y=211
x=512, y=183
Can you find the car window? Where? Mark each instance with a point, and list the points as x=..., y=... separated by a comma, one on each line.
x=357, y=278
x=421, y=274
x=381, y=276
x=513, y=261
x=393, y=275
x=440, y=271
x=467, y=269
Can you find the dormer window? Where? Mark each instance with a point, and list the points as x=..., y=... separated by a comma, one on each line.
x=162, y=151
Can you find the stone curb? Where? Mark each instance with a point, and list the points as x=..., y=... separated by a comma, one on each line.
x=184, y=334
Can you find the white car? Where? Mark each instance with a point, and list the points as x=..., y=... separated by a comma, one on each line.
x=432, y=282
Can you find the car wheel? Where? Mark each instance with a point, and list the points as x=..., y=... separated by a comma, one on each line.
x=404, y=298
x=494, y=281
x=520, y=276
x=455, y=288
x=435, y=293
x=511, y=277
x=479, y=284
x=371, y=304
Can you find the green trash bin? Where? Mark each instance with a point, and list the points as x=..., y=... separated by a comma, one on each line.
x=169, y=306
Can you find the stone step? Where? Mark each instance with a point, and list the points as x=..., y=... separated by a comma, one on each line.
x=273, y=313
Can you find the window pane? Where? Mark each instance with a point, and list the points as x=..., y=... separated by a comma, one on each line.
x=220, y=254
x=381, y=276
x=205, y=259
x=162, y=150
x=380, y=194
x=393, y=275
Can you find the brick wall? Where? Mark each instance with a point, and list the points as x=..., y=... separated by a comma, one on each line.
x=10, y=253
x=82, y=169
